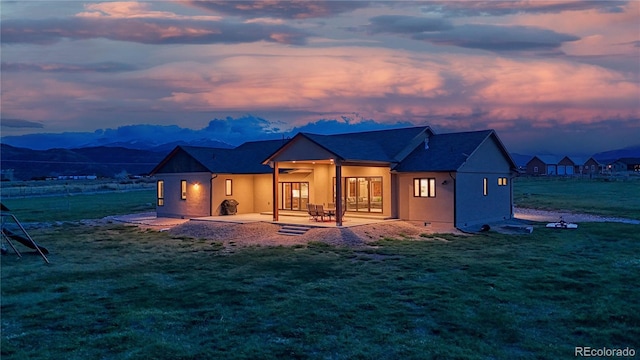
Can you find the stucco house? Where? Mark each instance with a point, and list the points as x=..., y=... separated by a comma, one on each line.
x=411, y=173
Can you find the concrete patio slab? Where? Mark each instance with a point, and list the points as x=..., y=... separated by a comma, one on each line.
x=293, y=219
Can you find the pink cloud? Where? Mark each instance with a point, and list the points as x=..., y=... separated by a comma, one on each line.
x=132, y=10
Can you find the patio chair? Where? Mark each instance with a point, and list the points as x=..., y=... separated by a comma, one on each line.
x=312, y=211
x=321, y=213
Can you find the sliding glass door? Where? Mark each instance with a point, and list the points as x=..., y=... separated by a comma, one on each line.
x=362, y=194
x=294, y=195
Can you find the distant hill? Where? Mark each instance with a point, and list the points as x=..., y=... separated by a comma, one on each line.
x=166, y=148
x=160, y=147
x=140, y=137
x=100, y=161
x=628, y=152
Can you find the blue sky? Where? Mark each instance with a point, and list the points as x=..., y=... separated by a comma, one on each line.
x=559, y=76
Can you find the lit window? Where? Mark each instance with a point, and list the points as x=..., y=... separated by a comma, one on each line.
x=424, y=187
x=183, y=189
x=502, y=181
x=160, y=192
x=485, y=186
x=228, y=187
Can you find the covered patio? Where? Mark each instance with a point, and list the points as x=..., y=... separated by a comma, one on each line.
x=348, y=174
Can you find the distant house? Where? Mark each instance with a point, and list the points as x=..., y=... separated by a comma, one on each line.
x=624, y=165
x=566, y=166
x=412, y=174
x=77, y=177
x=543, y=165
x=551, y=165
x=586, y=165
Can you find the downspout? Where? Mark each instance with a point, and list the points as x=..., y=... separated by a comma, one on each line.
x=211, y=194
x=455, y=201
x=513, y=176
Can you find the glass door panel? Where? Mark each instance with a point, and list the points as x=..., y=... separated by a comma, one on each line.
x=286, y=193
x=375, y=194
x=304, y=195
x=351, y=194
x=295, y=196
x=363, y=195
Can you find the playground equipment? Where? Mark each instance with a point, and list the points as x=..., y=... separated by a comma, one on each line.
x=22, y=237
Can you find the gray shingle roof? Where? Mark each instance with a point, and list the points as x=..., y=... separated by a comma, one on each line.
x=549, y=159
x=244, y=159
x=446, y=152
x=380, y=145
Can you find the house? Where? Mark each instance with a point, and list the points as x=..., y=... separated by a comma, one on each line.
x=543, y=165
x=565, y=166
x=586, y=165
x=621, y=165
x=555, y=165
x=410, y=173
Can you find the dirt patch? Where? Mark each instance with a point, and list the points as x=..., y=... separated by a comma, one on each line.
x=552, y=216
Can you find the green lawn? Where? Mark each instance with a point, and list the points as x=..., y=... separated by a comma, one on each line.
x=81, y=206
x=610, y=198
x=114, y=292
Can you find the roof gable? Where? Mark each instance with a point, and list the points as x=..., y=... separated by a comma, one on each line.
x=244, y=159
x=628, y=161
x=375, y=146
x=548, y=159
x=179, y=160
x=448, y=152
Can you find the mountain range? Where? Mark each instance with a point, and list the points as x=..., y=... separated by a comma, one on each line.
x=136, y=149
x=139, y=158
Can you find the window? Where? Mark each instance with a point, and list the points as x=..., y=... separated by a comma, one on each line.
x=183, y=189
x=535, y=169
x=228, y=187
x=485, y=186
x=160, y=192
x=424, y=187
x=502, y=181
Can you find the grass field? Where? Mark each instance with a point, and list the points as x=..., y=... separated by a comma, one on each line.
x=597, y=196
x=31, y=188
x=81, y=206
x=117, y=292
x=114, y=292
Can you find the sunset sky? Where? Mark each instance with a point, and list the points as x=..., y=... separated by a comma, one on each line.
x=559, y=76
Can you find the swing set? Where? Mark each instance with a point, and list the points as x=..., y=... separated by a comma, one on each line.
x=18, y=233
